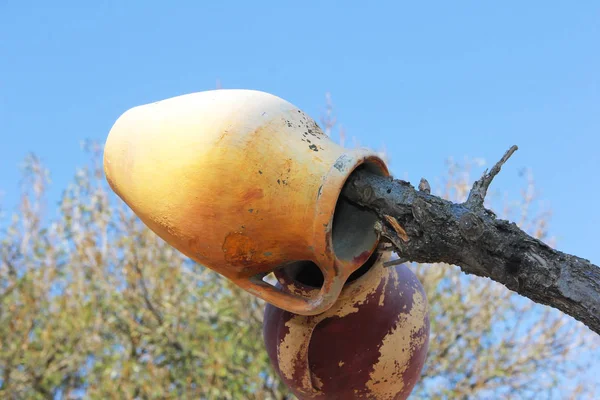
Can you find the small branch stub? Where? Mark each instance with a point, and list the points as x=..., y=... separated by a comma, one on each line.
x=424, y=186
x=480, y=187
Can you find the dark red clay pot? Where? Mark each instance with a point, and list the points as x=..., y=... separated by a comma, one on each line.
x=371, y=344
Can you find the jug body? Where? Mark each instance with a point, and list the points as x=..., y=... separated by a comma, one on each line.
x=244, y=182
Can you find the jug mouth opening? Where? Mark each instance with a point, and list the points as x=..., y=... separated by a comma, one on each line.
x=307, y=275
x=353, y=235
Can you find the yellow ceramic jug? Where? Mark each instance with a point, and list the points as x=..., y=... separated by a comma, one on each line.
x=243, y=182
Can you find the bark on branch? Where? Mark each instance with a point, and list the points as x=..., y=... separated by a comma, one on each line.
x=427, y=229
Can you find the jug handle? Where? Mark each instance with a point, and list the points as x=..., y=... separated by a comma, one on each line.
x=327, y=296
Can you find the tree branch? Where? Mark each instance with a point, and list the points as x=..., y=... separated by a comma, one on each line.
x=470, y=236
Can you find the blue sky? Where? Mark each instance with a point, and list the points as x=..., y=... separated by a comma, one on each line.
x=425, y=80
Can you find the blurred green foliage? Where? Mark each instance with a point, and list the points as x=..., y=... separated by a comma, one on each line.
x=94, y=305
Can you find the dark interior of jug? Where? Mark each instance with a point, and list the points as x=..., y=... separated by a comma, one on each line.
x=308, y=274
x=353, y=233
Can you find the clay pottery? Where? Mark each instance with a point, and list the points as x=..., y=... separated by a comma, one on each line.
x=244, y=182
x=371, y=344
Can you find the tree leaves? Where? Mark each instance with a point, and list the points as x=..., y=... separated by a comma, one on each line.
x=94, y=305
